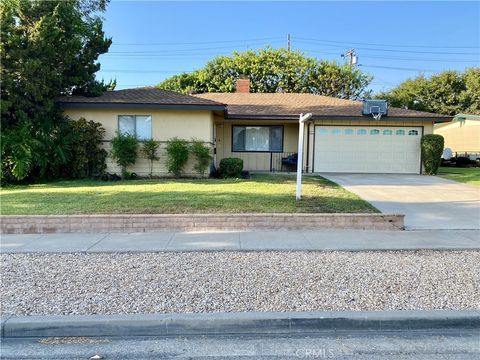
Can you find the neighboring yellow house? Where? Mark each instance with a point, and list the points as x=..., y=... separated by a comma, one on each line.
x=462, y=135
x=262, y=129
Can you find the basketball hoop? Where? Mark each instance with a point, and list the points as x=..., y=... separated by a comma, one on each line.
x=376, y=108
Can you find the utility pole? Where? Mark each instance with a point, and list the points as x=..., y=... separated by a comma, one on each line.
x=352, y=57
x=288, y=42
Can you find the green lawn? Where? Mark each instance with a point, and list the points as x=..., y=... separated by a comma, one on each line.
x=263, y=193
x=467, y=175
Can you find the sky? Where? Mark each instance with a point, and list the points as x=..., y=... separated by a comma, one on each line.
x=394, y=41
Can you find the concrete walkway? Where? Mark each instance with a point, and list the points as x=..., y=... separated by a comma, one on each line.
x=428, y=202
x=328, y=240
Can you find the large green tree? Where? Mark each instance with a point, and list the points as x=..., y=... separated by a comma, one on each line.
x=273, y=70
x=48, y=49
x=448, y=93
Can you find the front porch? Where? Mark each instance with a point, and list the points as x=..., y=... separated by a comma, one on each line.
x=266, y=145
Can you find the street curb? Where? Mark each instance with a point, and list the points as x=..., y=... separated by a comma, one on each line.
x=247, y=323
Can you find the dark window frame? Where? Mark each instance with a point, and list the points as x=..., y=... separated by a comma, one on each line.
x=259, y=151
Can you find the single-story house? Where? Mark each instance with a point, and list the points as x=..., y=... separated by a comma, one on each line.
x=262, y=128
x=462, y=135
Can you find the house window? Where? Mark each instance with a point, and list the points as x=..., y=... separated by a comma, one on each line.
x=323, y=131
x=361, y=132
x=400, y=132
x=413, y=132
x=348, y=131
x=138, y=125
x=374, y=132
x=387, y=132
x=257, y=138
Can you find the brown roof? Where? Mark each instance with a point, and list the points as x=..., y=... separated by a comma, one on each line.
x=290, y=105
x=140, y=96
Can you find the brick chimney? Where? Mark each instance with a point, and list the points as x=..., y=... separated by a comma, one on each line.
x=243, y=85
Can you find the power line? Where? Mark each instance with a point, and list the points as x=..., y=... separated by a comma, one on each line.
x=145, y=71
x=397, y=58
x=197, y=42
x=403, y=51
x=153, y=56
x=391, y=45
x=170, y=51
x=398, y=68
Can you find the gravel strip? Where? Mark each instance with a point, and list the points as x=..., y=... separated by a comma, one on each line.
x=238, y=281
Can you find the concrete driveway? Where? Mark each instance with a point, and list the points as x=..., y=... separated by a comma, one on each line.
x=428, y=202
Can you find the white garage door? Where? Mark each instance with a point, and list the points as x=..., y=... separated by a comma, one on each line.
x=366, y=149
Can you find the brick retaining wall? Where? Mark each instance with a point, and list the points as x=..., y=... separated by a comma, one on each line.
x=35, y=224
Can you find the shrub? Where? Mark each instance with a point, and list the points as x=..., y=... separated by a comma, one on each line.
x=432, y=149
x=124, y=151
x=177, y=155
x=18, y=147
x=149, y=150
x=87, y=156
x=202, y=156
x=231, y=167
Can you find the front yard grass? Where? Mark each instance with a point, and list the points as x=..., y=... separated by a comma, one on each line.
x=466, y=175
x=263, y=193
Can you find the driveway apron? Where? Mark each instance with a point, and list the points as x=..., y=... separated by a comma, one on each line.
x=428, y=202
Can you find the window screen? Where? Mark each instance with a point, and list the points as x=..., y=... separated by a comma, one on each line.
x=257, y=138
x=126, y=124
x=138, y=125
x=143, y=127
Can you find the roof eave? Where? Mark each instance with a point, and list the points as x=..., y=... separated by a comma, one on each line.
x=334, y=117
x=110, y=105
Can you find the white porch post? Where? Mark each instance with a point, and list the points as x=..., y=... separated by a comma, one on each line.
x=301, y=129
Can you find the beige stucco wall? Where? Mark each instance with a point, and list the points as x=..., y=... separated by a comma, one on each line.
x=460, y=136
x=199, y=124
x=261, y=161
x=254, y=161
x=185, y=124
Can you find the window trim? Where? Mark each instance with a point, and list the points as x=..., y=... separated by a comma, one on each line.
x=135, y=124
x=257, y=151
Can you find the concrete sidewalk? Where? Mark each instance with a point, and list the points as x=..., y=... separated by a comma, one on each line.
x=322, y=240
